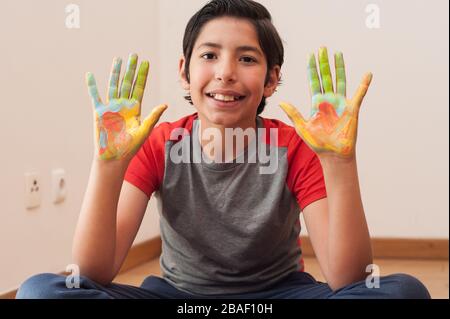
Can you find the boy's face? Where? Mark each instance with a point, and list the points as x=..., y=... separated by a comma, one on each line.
x=228, y=60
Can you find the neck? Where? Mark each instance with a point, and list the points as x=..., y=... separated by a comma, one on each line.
x=219, y=146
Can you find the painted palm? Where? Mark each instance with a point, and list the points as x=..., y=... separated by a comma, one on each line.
x=118, y=130
x=333, y=124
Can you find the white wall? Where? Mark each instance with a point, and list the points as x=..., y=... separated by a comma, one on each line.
x=403, y=135
x=47, y=121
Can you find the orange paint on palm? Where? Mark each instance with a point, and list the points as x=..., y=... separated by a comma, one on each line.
x=326, y=117
x=112, y=125
x=119, y=132
x=113, y=121
x=333, y=125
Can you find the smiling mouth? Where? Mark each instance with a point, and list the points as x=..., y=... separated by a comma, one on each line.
x=225, y=98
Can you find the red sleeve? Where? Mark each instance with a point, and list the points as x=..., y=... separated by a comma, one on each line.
x=146, y=169
x=305, y=176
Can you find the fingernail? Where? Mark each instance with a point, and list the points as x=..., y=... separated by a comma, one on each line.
x=338, y=55
x=311, y=59
x=323, y=53
x=145, y=65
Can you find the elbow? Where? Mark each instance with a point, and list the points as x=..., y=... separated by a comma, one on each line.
x=98, y=277
x=96, y=274
x=89, y=268
x=338, y=283
x=349, y=275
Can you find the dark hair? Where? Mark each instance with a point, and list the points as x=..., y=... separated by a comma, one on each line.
x=256, y=13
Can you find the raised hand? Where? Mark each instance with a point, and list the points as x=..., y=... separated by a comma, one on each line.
x=332, y=127
x=118, y=130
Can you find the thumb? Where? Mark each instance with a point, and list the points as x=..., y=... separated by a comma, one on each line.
x=293, y=114
x=151, y=120
x=361, y=92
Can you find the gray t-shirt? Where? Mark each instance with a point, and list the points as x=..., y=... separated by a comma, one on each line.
x=231, y=227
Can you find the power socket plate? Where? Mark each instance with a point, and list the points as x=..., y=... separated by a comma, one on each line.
x=32, y=190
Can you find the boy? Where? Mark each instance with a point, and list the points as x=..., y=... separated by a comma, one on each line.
x=228, y=230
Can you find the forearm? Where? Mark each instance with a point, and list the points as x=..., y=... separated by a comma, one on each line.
x=95, y=236
x=349, y=246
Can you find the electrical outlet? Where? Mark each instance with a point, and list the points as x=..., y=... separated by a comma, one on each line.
x=59, y=185
x=32, y=190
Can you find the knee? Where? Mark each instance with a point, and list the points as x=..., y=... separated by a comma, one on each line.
x=409, y=287
x=42, y=286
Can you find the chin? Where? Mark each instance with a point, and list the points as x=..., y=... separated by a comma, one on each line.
x=225, y=119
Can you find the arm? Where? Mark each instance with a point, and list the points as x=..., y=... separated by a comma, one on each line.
x=336, y=225
x=113, y=210
x=110, y=216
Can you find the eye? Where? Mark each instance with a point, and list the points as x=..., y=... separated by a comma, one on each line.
x=206, y=55
x=248, y=59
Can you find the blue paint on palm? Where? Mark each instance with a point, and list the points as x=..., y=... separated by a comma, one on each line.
x=338, y=102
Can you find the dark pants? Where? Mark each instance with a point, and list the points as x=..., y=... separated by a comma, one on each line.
x=299, y=285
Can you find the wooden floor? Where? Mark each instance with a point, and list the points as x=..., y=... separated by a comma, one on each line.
x=433, y=273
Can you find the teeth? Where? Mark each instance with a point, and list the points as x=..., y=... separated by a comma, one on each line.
x=226, y=98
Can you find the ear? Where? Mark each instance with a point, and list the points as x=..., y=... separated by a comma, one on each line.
x=183, y=78
x=274, y=77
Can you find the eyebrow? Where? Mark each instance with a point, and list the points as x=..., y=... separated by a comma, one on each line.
x=239, y=49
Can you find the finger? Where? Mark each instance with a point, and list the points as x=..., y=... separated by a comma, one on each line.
x=313, y=76
x=361, y=92
x=92, y=89
x=325, y=71
x=293, y=114
x=139, y=85
x=114, y=79
x=151, y=120
x=341, y=81
x=127, y=81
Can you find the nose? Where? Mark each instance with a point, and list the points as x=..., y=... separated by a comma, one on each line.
x=226, y=71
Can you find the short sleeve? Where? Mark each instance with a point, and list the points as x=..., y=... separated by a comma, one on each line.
x=146, y=169
x=305, y=175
